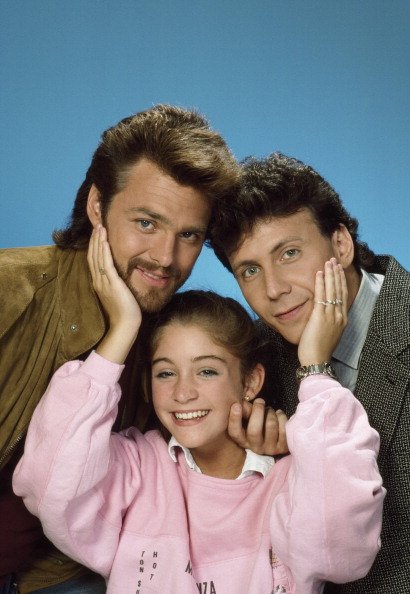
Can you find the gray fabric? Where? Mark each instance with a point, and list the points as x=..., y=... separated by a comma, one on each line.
x=383, y=387
x=346, y=355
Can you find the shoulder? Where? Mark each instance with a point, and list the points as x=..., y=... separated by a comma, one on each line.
x=392, y=311
x=396, y=276
x=23, y=271
x=27, y=261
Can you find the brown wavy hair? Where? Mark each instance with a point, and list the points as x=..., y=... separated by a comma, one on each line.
x=179, y=141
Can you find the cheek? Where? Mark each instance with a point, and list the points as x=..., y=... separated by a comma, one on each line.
x=160, y=395
x=258, y=301
x=126, y=243
x=234, y=389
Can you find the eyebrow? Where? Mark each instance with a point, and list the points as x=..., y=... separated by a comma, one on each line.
x=163, y=219
x=194, y=359
x=151, y=214
x=276, y=247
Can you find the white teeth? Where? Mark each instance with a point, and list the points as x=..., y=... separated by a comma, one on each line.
x=191, y=415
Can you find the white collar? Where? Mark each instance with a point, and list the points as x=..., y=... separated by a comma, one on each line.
x=253, y=462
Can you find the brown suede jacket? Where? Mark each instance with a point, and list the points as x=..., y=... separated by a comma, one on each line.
x=49, y=314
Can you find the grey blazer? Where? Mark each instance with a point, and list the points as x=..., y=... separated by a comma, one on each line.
x=383, y=387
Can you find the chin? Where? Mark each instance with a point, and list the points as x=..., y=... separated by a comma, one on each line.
x=151, y=302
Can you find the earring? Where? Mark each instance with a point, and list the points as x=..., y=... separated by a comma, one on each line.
x=247, y=398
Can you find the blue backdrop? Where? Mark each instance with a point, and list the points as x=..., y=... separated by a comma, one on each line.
x=322, y=80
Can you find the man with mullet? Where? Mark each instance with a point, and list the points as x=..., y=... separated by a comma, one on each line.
x=152, y=184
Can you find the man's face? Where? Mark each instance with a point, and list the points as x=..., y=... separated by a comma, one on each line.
x=275, y=266
x=156, y=229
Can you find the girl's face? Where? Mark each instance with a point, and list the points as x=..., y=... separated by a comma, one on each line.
x=194, y=383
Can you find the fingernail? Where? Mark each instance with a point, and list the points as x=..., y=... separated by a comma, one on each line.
x=237, y=409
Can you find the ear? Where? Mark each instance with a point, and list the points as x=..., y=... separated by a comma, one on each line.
x=343, y=246
x=94, y=206
x=254, y=382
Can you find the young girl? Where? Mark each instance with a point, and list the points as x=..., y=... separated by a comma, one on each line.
x=200, y=514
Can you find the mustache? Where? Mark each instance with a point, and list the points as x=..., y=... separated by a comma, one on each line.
x=137, y=262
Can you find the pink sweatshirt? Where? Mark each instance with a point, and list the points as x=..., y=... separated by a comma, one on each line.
x=120, y=505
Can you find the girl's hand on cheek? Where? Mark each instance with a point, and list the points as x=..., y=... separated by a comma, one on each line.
x=328, y=318
x=119, y=303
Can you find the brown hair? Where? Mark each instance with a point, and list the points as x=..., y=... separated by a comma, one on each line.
x=278, y=186
x=179, y=141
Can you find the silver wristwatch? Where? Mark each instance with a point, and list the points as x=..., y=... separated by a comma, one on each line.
x=315, y=369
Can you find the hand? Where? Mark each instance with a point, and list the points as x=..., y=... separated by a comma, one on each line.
x=116, y=298
x=265, y=428
x=327, y=320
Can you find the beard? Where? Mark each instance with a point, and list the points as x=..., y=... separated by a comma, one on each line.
x=153, y=299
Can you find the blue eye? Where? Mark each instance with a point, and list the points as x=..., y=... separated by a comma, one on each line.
x=291, y=253
x=144, y=224
x=250, y=271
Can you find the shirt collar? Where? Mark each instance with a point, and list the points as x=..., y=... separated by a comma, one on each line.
x=354, y=335
x=253, y=462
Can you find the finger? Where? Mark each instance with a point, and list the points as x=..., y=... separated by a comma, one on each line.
x=235, y=426
x=108, y=262
x=255, y=428
x=329, y=283
x=271, y=432
x=282, y=445
x=246, y=409
x=91, y=255
x=344, y=291
x=319, y=291
x=100, y=251
x=338, y=285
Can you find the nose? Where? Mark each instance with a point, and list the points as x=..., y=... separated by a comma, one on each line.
x=276, y=285
x=184, y=391
x=163, y=250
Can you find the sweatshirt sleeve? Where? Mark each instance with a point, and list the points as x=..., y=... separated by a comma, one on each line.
x=73, y=468
x=326, y=524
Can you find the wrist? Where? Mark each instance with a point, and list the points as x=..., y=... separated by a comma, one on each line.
x=117, y=343
x=324, y=367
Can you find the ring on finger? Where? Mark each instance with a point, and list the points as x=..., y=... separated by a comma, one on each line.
x=331, y=302
x=102, y=271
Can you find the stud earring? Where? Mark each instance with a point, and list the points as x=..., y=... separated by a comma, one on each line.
x=247, y=398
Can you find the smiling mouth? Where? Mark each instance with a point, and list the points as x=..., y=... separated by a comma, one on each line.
x=290, y=314
x=158, y=280
x=186, y=416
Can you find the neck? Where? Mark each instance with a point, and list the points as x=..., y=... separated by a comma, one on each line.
x=220, y=462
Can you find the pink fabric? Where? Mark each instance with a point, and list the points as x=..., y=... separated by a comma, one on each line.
x=118, y=503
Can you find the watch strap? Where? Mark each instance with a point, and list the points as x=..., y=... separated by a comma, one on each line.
x=315, y=369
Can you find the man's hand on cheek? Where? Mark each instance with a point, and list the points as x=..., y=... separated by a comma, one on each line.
x=259, y=428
